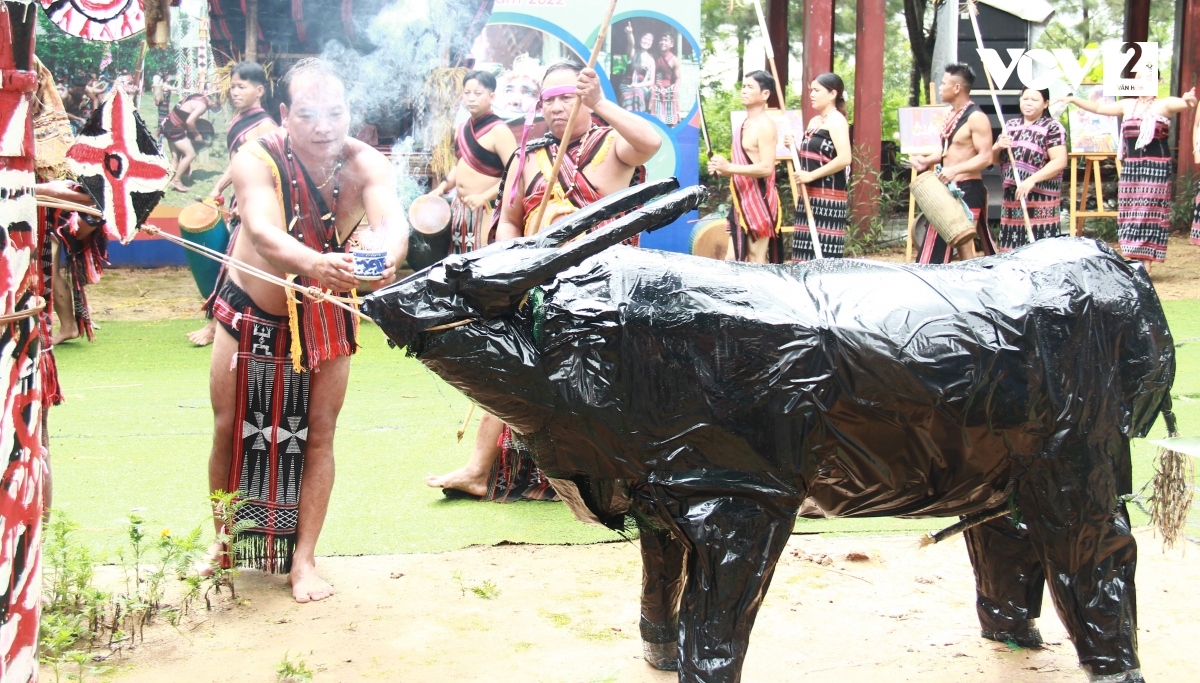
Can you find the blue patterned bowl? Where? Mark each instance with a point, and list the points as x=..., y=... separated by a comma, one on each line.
x=369, y=265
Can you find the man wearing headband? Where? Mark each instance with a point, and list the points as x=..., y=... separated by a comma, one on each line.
x=600, y=160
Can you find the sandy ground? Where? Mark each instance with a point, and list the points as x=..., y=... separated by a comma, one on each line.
x=569, y=614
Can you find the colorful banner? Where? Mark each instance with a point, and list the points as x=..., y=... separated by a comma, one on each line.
x=650, y=64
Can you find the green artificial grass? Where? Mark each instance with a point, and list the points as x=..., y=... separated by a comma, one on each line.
x=136, y=430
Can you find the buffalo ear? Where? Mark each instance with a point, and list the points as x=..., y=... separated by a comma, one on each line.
x=566, y=229
x=498, y=283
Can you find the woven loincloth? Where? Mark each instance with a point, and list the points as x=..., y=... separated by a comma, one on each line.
x=270, y=433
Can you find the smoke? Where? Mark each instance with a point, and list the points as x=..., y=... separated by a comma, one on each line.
x=412, y=39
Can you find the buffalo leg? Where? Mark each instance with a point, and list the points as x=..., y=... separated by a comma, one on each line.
x=734, y=544
x=1081, y=531
x=663, y=558
x=1009, y=581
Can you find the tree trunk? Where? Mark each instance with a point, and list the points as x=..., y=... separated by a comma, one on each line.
x=914, y=19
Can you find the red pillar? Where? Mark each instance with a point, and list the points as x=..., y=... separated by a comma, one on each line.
x=1137, y=20
x=868, y=115
x=818, y=43
x=777, y=27
x=1188, y=24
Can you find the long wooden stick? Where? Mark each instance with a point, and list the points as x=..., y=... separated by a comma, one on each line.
x=762, y=27
x=66, y=205
x=974, y=12
x=704, y=125
x=552, y=181
x=466, y=421
x=248, y=269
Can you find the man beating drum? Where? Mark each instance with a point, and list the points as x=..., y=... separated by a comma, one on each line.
x=966, y=151
x=483, y=144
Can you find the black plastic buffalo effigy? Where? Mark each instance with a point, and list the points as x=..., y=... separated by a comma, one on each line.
x=712, y=402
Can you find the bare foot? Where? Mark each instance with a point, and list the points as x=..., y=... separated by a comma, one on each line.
x=205, y=335
x=180, y=187
x=462, y=479
x=307, y=585
x=64, y=334
x=206, y=566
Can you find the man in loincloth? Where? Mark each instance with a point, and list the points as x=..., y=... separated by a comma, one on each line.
x=280, y=362
x=247, y=86
x=754, y=218
x=484, y=144
x=183, y=136
x=600, y=160
x=966, y=151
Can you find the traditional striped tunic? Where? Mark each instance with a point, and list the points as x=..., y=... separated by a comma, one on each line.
x=826, y=195
x=1144, y=192
x=1196, y=222
x=1031, y=144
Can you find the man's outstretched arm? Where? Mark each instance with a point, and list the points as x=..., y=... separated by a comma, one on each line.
x=262, y=219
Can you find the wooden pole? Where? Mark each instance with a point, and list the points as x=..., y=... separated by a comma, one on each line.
x=251, y=31
x=552, y=181
x=812, y=227
x=974, y=12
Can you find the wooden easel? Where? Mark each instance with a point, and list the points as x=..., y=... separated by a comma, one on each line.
x=1079, y=195
x=912, y=219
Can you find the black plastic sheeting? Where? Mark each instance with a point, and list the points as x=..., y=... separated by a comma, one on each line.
x=727, y=398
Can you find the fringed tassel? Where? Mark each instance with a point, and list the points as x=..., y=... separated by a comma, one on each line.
x=1173, y=486
x=297, y=349
x=254, y=551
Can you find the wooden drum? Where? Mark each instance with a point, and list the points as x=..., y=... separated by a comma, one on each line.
x=202, y=223
x=429, y=241
x=944, y=211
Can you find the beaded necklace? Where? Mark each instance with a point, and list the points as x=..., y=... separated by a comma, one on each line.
x=328, y=219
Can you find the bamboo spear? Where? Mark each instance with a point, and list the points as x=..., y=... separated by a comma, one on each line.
x=974, y=12
x=552, y=181
x=762, y=26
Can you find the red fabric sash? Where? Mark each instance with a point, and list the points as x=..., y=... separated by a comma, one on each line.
x=575, y=185
x=476, y=155
x=240, y=125
x=325, y=330
x=755, y=199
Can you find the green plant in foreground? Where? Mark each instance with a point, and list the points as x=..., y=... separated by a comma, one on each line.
x=289, y=671
x=486, y=590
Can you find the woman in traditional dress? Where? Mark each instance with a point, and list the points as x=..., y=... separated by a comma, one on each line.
x=1039, y=145
x=824, y=156
x=639, y=74
x=1195, y=237
x=664, y=105
x=1144, y=191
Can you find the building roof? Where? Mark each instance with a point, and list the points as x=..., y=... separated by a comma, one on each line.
x=1037, y=11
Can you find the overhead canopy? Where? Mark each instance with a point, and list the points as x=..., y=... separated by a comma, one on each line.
x=1037, y=11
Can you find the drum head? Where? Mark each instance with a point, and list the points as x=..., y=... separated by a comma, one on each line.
x=429, y=215
x=710, y=239
x=198, y=217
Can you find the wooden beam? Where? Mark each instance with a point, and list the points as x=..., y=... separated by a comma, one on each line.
x=867, y=138
x=1137, y=20
x=1187, y=75
x=251, y=31
x=777, y=26
x=818, y=43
